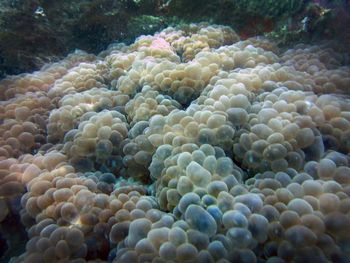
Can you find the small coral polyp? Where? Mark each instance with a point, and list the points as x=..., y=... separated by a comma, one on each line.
x=186, y=146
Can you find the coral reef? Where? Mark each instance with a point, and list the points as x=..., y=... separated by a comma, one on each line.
x=37, y=32
x=189, y=145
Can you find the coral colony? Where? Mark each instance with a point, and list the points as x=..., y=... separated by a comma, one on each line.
x=186, y=146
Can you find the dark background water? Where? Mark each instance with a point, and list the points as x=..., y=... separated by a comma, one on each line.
x=35, y=32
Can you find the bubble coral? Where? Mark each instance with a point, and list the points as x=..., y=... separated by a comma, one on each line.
x=186, y=146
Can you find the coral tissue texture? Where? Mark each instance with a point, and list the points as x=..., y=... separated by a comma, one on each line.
x=185, y=146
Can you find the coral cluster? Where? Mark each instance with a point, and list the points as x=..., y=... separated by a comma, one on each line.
x=186, y=146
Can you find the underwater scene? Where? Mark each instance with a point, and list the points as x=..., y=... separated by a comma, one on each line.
x=175, y=131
